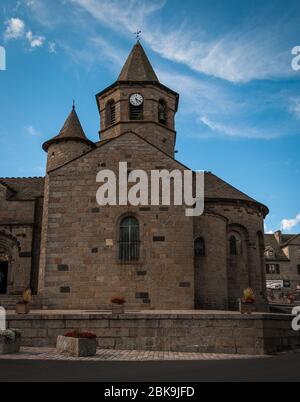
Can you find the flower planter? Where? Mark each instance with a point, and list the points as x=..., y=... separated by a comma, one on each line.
x=246, y=308
x=118, y=309
x=76, y=347
x=22, y=308
x=11, y=343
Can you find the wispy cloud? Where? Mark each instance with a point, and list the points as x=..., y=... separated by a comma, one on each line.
x=239, y=56
x=52, y=47
x=254, y=49
x=217, y=107
x=237, y=132
x=93, y=51
x=35, y=40
x=294, y=107
x=243, y=54
x=130, y=14
x=289, y=224
x=219, y=111
x=15, y=28
x=32, y=131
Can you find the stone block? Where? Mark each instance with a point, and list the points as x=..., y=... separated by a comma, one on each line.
x=76, y=347
x=19, y=324
x=8, y=347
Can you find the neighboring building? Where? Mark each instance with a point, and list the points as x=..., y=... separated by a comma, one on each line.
x=74, y=254
x=282, y=256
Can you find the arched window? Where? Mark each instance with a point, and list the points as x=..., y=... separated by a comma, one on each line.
x=233, y=246
x=162, y=112
x=3, y=276
x=136, y=112
x=129, y=243
x=199, y=247
x=110, y=113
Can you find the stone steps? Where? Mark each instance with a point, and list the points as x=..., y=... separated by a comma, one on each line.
x=9, y=302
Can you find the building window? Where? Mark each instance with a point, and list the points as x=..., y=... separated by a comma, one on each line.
x=3, y=277
x=270, y=253
x=273, y=269
x=136, y=112
x=233, y=247
x=162, y=112
x=110, y=113
x=199, y=247
x=129, y=244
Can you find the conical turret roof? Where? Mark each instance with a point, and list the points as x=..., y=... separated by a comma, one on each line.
x=72, y=127
x=138, y=66
x=72, y=130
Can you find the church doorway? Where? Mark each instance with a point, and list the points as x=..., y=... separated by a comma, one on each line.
x=3, y=277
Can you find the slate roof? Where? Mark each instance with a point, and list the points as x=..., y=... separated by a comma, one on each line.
x=270, y=241
x=72, y=129
x=138, y=66
x=287, y=239
x=22, y=189
x=218, y=188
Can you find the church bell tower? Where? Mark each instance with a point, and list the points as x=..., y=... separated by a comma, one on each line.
x=138, y=102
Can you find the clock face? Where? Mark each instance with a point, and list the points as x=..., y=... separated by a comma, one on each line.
x=136, y=99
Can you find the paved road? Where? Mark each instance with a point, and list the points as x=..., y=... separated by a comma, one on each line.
x=280, y=368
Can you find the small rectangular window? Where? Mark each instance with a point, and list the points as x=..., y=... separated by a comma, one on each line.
x=159, y=238
x=273, y=269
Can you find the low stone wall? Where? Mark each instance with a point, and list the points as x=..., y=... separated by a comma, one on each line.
x=255, y=334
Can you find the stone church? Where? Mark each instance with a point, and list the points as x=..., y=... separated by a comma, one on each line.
x=73, y=254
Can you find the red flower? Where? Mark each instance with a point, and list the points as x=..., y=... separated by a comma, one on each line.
x=118, y=300
x=77, y=335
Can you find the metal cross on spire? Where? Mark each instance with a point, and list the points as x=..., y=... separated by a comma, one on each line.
x=138, y=35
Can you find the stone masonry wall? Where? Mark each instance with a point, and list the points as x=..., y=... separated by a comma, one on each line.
x=149, y=128
x=248, y=221
x=257, y=334
x=211, y=281
x=64, y=151
x=79, y=257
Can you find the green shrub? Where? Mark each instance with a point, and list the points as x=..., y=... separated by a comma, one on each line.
x=10, y=335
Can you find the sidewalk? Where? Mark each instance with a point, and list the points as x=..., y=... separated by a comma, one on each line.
x=28, y=353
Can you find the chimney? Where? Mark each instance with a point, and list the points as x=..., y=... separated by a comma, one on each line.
x=278, y=236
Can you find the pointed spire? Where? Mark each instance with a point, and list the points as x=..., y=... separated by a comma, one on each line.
x=138, y=66
x=72, y=129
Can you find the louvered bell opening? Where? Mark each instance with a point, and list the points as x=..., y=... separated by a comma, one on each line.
x=162, y=112
x=129, y=244
x=111, y=114
x=136, y=112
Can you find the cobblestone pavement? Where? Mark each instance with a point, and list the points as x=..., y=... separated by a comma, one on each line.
x=28, y=353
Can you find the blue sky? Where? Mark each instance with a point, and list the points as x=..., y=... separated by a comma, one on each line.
x=230, y=60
